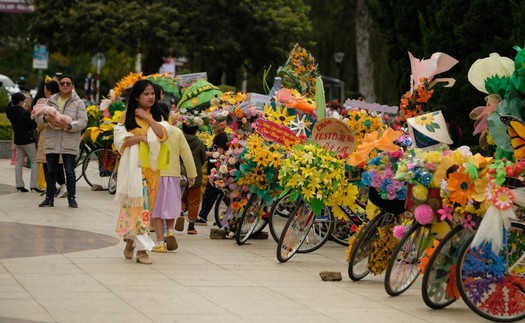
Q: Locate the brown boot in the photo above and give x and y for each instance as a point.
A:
(128, 250)
(143, 258)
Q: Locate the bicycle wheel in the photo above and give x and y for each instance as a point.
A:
(493, 285)
(403, 267)
(319, 233)
(343, 228)
(295, 231)
(112, 184)
(279, 213)
(220, 210)
(360, 253)
(438, 288)
(249, 219)
(98, 166)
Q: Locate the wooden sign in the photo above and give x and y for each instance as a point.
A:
(275, 132)
(334, 135)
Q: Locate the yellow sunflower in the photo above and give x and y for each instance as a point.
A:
(446, 166)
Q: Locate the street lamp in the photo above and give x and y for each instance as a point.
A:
(338, 57)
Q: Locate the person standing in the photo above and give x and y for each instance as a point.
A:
(168, 202)
(63, 139)
(49, 88)
(24, 138)
(191, 198)
(219, 145)
(137, 183)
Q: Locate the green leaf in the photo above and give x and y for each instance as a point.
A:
(317, 206)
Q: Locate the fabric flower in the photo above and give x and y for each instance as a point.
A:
(420, 192)
(424, 214)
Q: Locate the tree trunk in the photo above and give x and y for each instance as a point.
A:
(365, 65)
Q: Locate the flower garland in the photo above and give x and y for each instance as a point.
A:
(413, 102)
(382, 249)
(260, 161)
(318, 176)
(241, 117)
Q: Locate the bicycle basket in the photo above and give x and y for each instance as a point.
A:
(390, 206)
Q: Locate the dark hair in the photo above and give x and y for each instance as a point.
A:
(158, 90)
(17, 98)
(52, 86)
(358, 96)
(39, 93)
(189, 130)
(133, 103)
(63, 76)
(163, 109)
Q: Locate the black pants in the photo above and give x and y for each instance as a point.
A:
(209, 198)
(52, 171)
(61, 178)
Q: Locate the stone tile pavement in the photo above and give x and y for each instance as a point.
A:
(66, 265)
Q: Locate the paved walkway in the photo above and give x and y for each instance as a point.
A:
(66, 265)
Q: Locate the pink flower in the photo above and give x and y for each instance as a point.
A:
(446, 213)
(468, 223)
(234, 126)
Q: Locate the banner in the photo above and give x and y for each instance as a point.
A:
(40, 57)
(275, 132)
(334, 135)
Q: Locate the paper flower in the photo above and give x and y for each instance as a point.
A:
(446, 213)
(461, 187)
(503, 198)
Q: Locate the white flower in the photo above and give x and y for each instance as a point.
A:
(216, 154)
(231, 161)
(223, 169)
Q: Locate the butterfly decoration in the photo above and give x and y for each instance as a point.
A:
(516, 131)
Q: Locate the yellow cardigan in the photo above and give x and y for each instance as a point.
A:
(179, 148)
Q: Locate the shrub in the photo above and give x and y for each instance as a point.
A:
(6, 131)
(4, 99)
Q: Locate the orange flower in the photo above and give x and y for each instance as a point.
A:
(145, 217)
(460, 187)
(423, 94)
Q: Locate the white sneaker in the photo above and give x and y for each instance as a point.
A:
(63, 192)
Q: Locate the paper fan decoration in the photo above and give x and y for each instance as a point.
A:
(495, 68)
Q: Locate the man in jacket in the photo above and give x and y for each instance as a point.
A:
(63, 138)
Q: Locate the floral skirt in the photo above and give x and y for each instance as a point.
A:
(135, 218)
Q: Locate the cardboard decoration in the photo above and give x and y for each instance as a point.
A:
(428, 130)
(334, 135)
(275, 132)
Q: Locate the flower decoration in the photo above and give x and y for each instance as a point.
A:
(223, 175)
(380, 175)
(301, 125)
(260, 161)
(241, 117)
(317, 175)
(362, 122)
(382, 249)
(413, 102)
(278, 114)
(300, 71)
(424, 214)
(399, 231)
(94, 115)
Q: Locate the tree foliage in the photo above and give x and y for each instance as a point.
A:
(466, 30)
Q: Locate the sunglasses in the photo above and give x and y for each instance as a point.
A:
(65, 83)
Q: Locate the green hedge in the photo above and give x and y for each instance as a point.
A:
(5, 131)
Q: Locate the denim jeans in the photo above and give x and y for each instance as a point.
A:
(51, 175)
